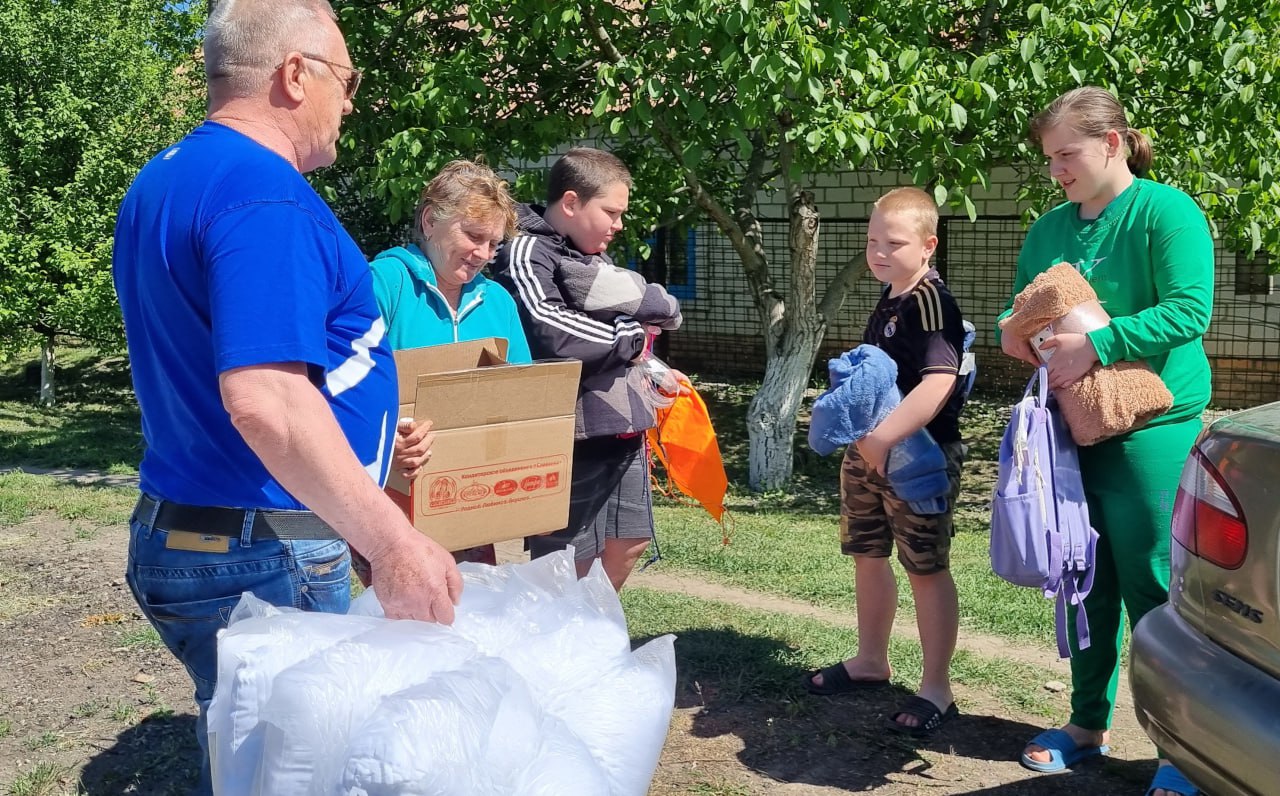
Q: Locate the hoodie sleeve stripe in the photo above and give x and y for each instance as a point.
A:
(534, 298)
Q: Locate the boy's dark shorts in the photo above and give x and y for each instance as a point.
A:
(609, 498)
(873, 519)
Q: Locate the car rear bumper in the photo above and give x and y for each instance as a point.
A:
(1215, 716)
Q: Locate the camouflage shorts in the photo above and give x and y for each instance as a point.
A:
(873, 519)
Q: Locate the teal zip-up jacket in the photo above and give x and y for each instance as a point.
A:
(417, 314)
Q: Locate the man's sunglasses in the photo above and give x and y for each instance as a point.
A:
(350, 83)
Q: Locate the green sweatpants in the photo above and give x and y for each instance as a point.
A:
(1130, 483)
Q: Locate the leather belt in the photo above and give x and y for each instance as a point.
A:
(218, 521)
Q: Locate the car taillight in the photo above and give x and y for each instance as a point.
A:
(1207, 520)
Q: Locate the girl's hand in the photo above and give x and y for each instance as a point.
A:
(1016, 347)
(1073, 357)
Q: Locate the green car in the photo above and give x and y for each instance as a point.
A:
(1205, 667)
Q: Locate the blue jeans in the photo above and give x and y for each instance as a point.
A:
(188, 596)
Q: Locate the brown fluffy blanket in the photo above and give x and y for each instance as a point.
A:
(1109, 400)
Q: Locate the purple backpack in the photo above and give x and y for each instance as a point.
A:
(1040, 531)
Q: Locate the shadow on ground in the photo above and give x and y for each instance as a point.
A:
(744, 686)
(155, 757)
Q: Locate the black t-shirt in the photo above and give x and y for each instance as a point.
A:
(922, 331)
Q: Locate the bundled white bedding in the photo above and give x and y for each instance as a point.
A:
(533, 691)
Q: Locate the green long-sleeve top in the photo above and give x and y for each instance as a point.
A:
(1149, 257)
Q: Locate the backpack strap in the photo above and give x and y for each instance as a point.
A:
(968, 372)
(1071, 593)
(1075, 567)
(1039, 386)
(1056, 560)
(1081, 583)
(1060, 623)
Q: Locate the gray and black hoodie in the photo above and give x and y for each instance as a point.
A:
(566, 315)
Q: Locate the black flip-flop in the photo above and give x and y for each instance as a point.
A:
(930, 717)
(836, 680)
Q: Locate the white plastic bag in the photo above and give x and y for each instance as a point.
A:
(653, 380)
(534, 691)
(473, 731)
(317, 703)
(267, 640)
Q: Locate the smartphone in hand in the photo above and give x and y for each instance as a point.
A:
(1038, 340)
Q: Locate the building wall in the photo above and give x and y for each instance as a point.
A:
(978, 259)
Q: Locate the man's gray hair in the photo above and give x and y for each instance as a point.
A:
(245, 37)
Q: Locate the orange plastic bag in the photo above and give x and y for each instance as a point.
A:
(684, 443)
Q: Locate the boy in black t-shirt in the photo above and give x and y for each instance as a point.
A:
(918, 324)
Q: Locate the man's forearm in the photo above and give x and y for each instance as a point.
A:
(287, 423)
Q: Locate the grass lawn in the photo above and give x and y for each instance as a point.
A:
(752, 654)
(95, 423)
(787, 544)
(783, 543)
(23, 496)
(750, 724)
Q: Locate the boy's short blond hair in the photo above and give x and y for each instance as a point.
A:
(916, 205)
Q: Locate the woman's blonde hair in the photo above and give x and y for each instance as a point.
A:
(1091, 112)
(468, 190)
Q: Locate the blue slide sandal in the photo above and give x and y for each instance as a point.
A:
(1063, 752)
(1170, 779)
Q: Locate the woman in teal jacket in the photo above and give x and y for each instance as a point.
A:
(432, 292)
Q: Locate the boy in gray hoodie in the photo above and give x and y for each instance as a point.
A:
(574, 303)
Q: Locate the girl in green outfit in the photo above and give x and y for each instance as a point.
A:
(1146, 250)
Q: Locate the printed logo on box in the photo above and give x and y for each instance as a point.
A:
(443, 491)
(484, 486)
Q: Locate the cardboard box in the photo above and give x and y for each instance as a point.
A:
(501, 463)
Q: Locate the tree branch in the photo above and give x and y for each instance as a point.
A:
(678, 219)
(1116, 26)
(753, 173)
(984, 26)
(600, 34)
(387, 46)
(745, 240)
(839, 289)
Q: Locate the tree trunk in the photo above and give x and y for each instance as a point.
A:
(791, 344)
(771, 418)
(46, 371)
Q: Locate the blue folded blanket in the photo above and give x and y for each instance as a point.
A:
(863, 392)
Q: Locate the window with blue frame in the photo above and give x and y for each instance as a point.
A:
(672, 261)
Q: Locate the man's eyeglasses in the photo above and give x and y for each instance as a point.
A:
(350, 83)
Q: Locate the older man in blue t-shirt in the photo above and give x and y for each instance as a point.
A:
(266, 386)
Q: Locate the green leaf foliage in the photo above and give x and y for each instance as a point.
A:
(711, 102)
(719, 87)
(89, 91)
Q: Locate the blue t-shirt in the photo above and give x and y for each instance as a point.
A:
(225, 257)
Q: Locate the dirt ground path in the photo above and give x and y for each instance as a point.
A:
(982, 763)
(87, 696)
(710, 738)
